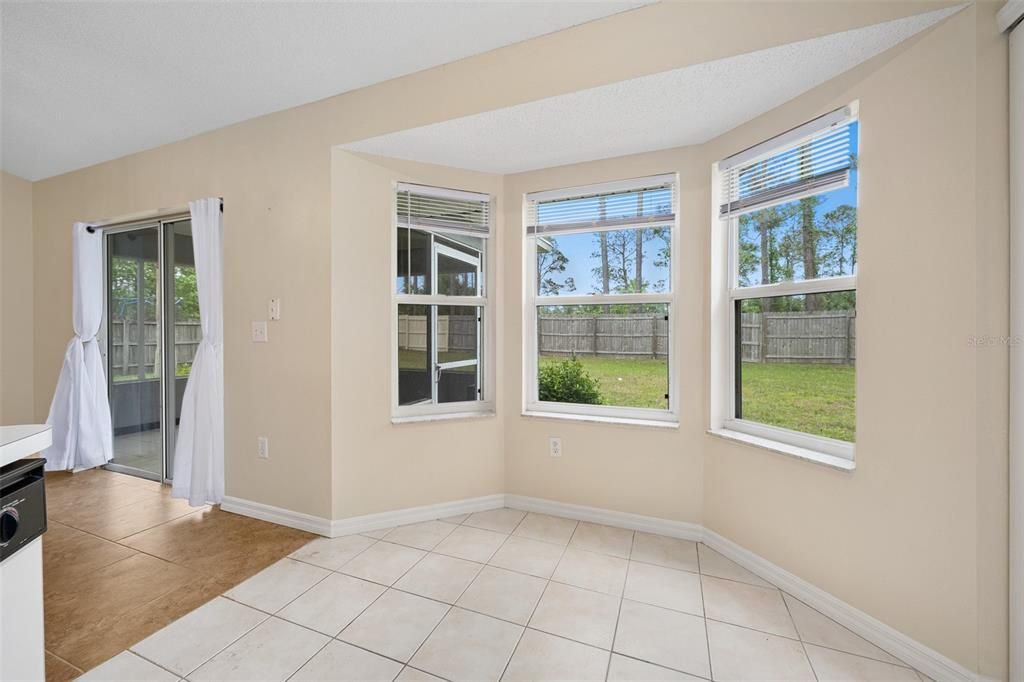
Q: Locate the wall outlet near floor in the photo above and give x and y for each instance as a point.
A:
(259, 331)
(263, 447)
(274, 309)
(555, 447)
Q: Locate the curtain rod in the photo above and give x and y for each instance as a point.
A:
(91, 229)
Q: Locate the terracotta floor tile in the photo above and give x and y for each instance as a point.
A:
(59, 671)
(220, 544)
(78, 619)
(69, 553)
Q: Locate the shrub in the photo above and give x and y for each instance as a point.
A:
(567, 381)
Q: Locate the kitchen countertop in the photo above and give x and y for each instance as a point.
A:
(18, 442)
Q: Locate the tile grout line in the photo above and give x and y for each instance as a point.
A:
(704, 608)
(547, 584)
(618, 613)
(803, 646)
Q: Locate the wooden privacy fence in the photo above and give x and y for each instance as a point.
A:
(124, 358)
(455, 332)
(612, 335)
(822, 337)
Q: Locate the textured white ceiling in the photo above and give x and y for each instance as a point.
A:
(675, 108)
(84, 82)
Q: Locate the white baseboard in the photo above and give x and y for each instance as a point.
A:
(930, 662)
(647, 524)
(913, 653)
(428, 512)
(278, 515)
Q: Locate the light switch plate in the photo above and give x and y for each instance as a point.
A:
(274, 309)
(259, 332)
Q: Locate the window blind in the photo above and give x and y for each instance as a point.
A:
(633, 203)
(816, 157)
(450, 210)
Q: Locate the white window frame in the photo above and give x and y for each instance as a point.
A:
(532, 406)
(429, 411)
(725, 292)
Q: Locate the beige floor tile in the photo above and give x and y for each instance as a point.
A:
(594, 537)
(128, 667)
(273, 651)
(665, 551)
(332, 553)
(498, 520)
(413, 675)
(754, 607)
(598, 572)
(714, 564)
(817, 628)
(332, 604)
(623, 669)
(542, 657)
(528, 556)
(578, 614)
(468, 646)
(503, 594)
(666, 587)
(383, 563)
(395, 625)
(423, 535)
(193, 639)
(341, 662)
(663, 637)
(456, 519)
(547, 528)
(835, 666)
(743, 655)
(472, 544)
(439, 577)
(273, 587)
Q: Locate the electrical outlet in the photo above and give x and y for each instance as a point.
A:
(274, 309)
(555, 447)
(263, 447)
(259, 332)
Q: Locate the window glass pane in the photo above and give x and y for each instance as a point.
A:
(803, 239)
(603, 354)
(634, 260)
(415, 373)
(413, 262)
(459, 265)
(795, 362)
(458, 355)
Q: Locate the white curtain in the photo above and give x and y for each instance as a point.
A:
(80, 411)
(199, 449)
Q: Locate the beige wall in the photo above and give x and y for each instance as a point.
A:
(16, 304)
(379, 466)
(916, 536)
(930, 487)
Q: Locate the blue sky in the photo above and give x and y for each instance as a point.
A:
(579, 247)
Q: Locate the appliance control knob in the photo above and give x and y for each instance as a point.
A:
(8, 524)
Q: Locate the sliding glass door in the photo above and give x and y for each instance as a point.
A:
(151, 334)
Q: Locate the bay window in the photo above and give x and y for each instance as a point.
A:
(599, 300)
(785, 302)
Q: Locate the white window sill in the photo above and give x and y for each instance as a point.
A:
(622, 421)
(442, 417)
(831, 461)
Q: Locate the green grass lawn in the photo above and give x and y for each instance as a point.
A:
(626, 382)
(812, 398)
